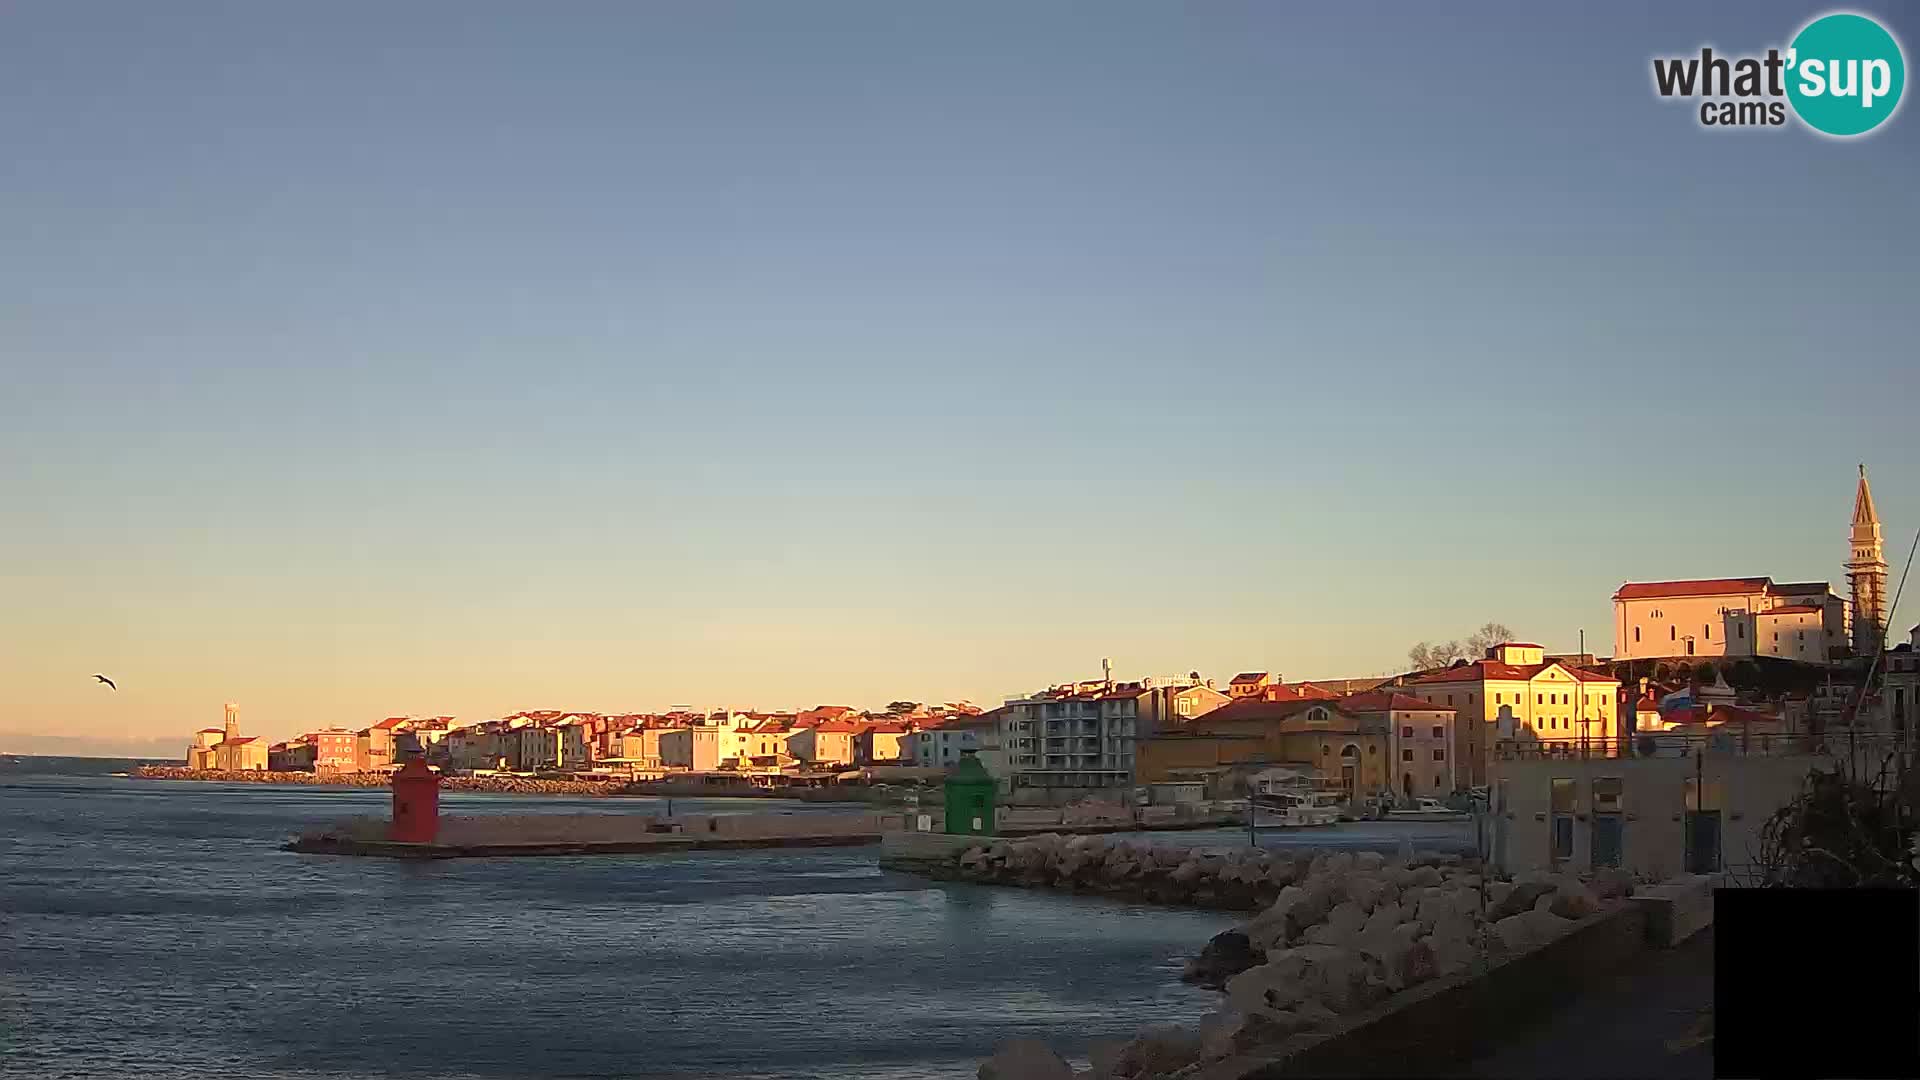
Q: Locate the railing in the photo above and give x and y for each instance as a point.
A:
(1730, 741)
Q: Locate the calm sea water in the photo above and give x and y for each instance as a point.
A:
(152, 929)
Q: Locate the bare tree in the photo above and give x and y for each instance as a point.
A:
(1435, 655)
(1489, 635)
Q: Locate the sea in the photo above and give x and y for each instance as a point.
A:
(154, 929)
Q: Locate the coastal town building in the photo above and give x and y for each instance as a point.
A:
(1422, 741)
(824, 742)
(885, 743)
(1900, 687)
(1757, 616)
(940, 741)
(1516, 693)
(693, 748)
(1251, 684)
(1729, 617)
(225, 748)
(1350, 750)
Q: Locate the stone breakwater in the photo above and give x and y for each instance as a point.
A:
(1230, 879)
(508, 785)
(1343, 933)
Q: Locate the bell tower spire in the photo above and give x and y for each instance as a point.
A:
(1867, 573)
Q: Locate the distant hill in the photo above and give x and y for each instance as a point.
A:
(48, 765)
(24, 743)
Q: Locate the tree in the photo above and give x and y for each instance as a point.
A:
(898, 708)
(1489, 635)
(1744, 675)
(1704, 673)
(1430, 655)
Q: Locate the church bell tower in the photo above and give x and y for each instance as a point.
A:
(1867, 573)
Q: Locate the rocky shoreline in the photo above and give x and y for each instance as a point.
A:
(1334, 934)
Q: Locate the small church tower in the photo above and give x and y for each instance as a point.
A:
(1867, 573)
(231, 727)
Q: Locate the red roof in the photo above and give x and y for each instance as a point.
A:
(1653, 590)
(1249, 677)
(1493, 669)
(1385, 701)
(1793, 609)
(210, 731)
(1248, 708)
(843, 727)
(388, 724)
(1646, 704)
(237, 742)
(887, 729)
(1301, 691)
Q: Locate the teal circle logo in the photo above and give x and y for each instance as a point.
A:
(1845, 74)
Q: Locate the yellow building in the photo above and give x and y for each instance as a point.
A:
(1345, 748)
(1533, 697)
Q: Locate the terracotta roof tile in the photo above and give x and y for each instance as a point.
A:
(1653, 590)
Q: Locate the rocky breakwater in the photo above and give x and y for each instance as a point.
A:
(503, 785)
(1233, 879)
(1347, 933)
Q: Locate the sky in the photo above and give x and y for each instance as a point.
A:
(361, 359)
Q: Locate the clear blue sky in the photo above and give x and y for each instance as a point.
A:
(462, 357)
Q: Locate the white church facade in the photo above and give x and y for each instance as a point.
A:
(1757, 616)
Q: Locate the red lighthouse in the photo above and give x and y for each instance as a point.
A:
(416, 804)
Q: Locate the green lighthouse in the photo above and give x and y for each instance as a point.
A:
(970, 791)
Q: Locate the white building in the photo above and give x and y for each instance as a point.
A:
(939, 743)
(1728, 617)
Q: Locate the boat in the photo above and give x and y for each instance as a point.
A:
(1295, 810)
(1425, 809)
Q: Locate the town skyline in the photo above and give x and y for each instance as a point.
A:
(156, 742)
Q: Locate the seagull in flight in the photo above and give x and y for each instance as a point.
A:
(106, 680)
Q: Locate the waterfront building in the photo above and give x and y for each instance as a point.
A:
(1536, 699)
(373, 749)
(1900, 687)
(1697, 805)
(225, 748)
(825, 742)
(693, 748)
(940, 741)
(248, 753)
(200, 751)
(1348, 749)
(883, 743)
(1421, 746)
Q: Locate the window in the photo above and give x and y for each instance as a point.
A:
(1636, 635)
(1406, 754)
(1740, 630)
(1469, 699)
(1440, 731)
(1706, 632)
(1673, 633)
(1449, 699)
(1539, 699)
(1439, 782)
(1406, 732)
(1439, 753)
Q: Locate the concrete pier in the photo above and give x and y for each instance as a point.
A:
(497, 835)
